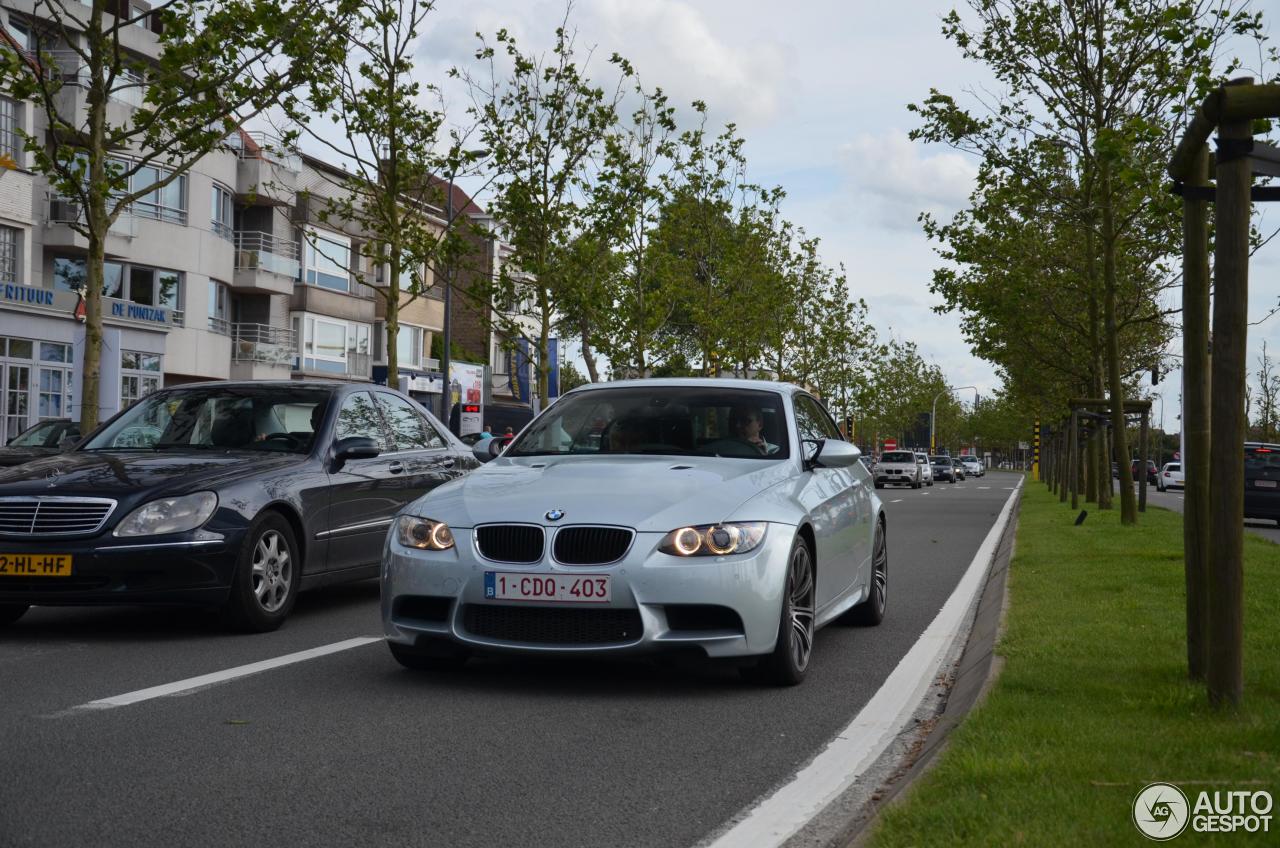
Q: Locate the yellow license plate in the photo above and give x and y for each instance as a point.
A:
(35, 565)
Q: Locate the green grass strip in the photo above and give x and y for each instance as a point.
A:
(1093, 702)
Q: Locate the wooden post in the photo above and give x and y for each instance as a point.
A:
(1144, 436)
(1195, 414)
(1073, 463)
(1226, 439)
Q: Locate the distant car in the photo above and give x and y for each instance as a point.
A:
(926, 468)
(1153, 473)
(958, 467)
(1262, 481)
(943, 469)
(972, 466)
(44, 439)
(1171, 477)
(898, 467)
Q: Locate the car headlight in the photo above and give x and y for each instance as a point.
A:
(169, 515)
(423, 533)
(713, 539)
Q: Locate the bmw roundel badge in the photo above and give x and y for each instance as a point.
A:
(555, 515)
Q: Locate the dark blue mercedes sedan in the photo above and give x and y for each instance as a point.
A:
(228, 495)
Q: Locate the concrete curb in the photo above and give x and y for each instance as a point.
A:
(974, 672)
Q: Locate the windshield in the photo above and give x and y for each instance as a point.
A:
(218, 418)
(941, 460)
(46, 434)
(898, 456)
(668, 420)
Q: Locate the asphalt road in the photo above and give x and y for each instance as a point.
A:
(350, 749)
(1173, 499)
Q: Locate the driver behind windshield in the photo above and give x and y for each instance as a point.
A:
(747, 425)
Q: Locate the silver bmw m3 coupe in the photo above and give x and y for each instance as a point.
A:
(725, 516)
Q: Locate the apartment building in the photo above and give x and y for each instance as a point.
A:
(227, 273)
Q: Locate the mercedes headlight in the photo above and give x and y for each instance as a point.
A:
(423, 533)
(169, 515)
(736, 537)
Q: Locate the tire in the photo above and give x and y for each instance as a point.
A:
(917, 484)
(787, 665)
(870, 612)
(268, 571)
(879, 485)
(416, 659)
(930, 482)
(9, 613)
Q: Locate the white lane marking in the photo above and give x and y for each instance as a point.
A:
(1010, 488)
(898, 500)
(222, 676)
(775, 819)
(983, 487)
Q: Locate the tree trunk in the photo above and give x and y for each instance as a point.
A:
(588, 358)
(1226, 451)
(1195, 416)
(98, 223)
(1128, 504)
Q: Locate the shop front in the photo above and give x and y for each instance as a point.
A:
(42, 356)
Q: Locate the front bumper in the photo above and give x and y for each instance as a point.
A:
(441, 595)
(190, 568)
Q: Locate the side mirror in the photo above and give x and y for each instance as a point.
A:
(354, 447)
(488, 448)
(836, 454)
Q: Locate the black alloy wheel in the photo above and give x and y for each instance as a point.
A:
(870, 612)
(787, 665)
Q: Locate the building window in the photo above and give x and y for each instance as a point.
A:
(139, 375)
(168, 203)
(328, 261)
(54, 397)
(218, 308)
(20, 31)
(10, 238)
(333, 345)
(222, 211)
(10, 141)
(134, 283)
(409, 351)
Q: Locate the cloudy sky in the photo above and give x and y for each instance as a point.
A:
(819, 89)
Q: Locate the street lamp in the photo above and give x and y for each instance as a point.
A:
(933, 415)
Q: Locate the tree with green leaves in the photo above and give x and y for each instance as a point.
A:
(543, 123)
(1101, 86)
(391, 188)
(148, 117)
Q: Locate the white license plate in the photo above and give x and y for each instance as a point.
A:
(1265, 484)
(565, 588)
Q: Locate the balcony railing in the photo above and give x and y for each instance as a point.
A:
(221, 326)
(264, 146)
(66, 210)
(129, 87)
(262, 343)
(259, 251)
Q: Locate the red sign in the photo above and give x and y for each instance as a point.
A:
(890, 444)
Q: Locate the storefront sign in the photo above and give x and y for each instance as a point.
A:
(65, 302)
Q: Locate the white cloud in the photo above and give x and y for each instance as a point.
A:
(672, 44)
(900, 178)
